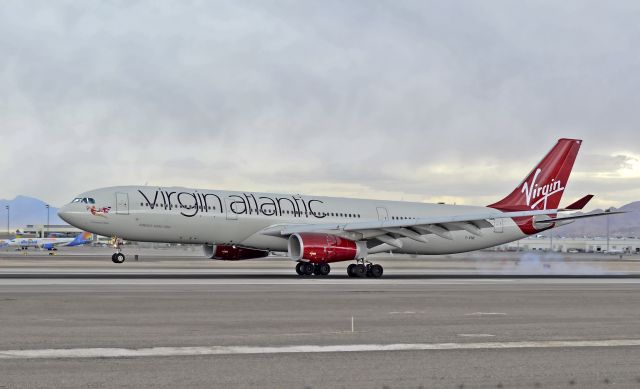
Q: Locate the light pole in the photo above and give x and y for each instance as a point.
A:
(7, 207)
(47, 219)
(607, 217)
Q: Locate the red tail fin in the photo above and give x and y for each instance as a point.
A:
(543, 187)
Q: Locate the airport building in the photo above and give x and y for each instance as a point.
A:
(617, 245)
(44, 230)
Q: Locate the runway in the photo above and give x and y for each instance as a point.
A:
(157, 325)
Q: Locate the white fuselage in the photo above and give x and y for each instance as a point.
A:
(200, 216)
(38, 242)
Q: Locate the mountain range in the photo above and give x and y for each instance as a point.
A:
(25, 210)
(28, 210)
(624, 225)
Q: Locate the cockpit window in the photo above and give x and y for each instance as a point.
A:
(84, 200)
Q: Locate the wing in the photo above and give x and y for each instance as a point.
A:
(389, 231)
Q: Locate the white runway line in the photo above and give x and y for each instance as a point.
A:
(486, 314)
(236, 350)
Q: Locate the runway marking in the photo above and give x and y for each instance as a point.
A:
(239, 350)
(486, 314)
(476, 335)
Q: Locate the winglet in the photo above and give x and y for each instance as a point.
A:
(578, 205)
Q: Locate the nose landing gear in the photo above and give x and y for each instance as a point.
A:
(118, 257)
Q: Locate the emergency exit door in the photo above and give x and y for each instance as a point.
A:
(383, 215)
(498, 225)
(122, 203)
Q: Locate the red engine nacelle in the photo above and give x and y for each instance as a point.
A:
(232, 253)
(323, 248)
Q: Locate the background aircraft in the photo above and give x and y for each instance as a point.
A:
(316, 231)
(50, 243)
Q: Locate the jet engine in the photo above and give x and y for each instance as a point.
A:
(324, 248)
(232, 253)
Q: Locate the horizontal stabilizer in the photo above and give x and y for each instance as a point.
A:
(560, 219)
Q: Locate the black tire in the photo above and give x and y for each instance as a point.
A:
(350, 270)
(368, 273)
(307, 268)
(299, 268)
(113, 257)
(118, 258)
(360, 270)
(322, 269)
(376, 271)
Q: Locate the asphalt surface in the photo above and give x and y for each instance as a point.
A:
(471, 332)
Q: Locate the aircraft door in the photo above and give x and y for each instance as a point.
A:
(498, 225)
(122, 203)
(383, 215)
(230, 214)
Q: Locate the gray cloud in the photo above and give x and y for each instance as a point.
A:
(415, 100)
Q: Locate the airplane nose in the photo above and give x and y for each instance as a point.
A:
(64, 213)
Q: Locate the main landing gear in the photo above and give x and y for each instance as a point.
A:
(364, 270)
(308, 268)
(118, 257)
(360, 269)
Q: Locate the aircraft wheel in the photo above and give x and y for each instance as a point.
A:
(307, 268)
(118, 258)
(322, 269)
(350, 272)
(299, 268)
(359, 270)
(376, 271)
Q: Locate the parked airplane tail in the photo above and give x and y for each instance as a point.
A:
(543, 187)
(81, 238)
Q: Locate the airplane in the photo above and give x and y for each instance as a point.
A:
(316, 231)
(50, 243)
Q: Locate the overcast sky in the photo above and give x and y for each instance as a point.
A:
(427, 101)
